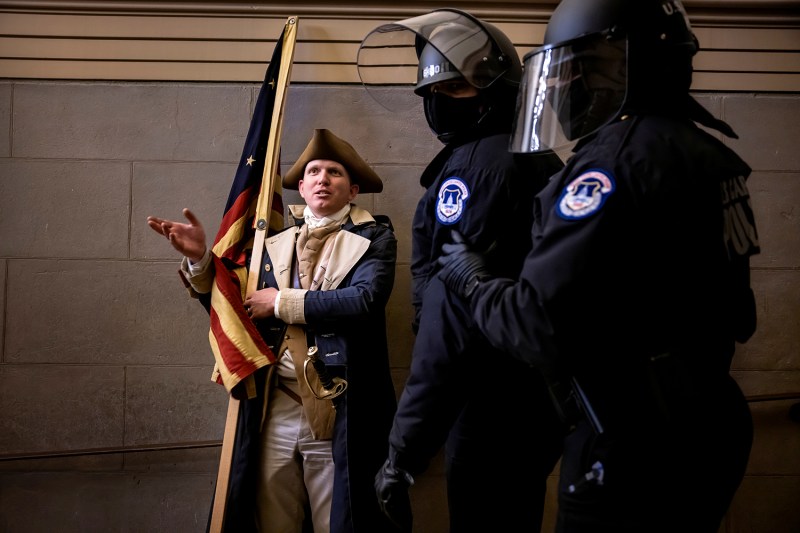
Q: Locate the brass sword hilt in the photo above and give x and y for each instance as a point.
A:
(331, 387)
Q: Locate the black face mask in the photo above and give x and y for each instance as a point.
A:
(586, 110)
(448, 116)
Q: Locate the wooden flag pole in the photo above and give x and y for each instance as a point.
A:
(264, 205)
(224, 473)
(262, 215)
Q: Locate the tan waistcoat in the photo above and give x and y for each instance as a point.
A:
(324, 257)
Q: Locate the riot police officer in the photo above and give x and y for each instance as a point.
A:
(637, 287)
(460, 389)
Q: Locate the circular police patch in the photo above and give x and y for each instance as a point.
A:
(450, 205)
(585, 194)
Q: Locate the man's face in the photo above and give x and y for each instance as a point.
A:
(326, 187)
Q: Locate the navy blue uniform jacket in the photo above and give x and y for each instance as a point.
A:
(349, 328)
(638, 286)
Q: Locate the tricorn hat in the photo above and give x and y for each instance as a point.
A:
(326, 145)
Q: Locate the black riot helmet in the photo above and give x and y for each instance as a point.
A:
(460, 45)
(601, 58)
(433, 68)
(447, 44)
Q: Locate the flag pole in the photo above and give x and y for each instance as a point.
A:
(264, 205)
(262, 214)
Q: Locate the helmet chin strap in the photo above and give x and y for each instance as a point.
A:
(688, 107)
(701, 115)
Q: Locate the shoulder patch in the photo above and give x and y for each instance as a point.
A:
(450, 205)
(585, 194)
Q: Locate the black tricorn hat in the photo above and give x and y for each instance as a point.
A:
(326, 145)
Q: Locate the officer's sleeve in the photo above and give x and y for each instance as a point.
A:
(421, 257)
(566, 278)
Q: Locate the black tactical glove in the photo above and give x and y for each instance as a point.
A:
(462, 268)
(391, 487)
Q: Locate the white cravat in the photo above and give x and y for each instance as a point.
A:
(313, 222)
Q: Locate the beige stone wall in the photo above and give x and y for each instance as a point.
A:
(105, 398)
(100, 347)
(746, 45)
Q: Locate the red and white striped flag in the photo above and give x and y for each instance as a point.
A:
(238, 348)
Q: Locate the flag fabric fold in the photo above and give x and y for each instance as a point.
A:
(237, 345)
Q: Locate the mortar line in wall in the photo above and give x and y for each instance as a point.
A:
(124, 408)
(11, 122)
(757, 398)
(111, 450)
(130, 207)
(5, 312)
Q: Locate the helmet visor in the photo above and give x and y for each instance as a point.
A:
(569, 91)
(389, 55)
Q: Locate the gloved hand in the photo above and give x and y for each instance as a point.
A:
(462, 268)
(391, 487)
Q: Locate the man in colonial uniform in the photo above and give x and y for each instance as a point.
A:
(306, 452)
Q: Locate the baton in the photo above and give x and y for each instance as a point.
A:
(586, 407)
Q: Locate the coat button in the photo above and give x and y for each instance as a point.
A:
(267, 267)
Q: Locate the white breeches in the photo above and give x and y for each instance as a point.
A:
(296, 470)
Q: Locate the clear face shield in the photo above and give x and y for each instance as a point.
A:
(389, 55)
(569, 91)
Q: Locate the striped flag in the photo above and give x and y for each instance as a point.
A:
(238, 348)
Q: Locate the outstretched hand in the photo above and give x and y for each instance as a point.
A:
(188, 239)
(462, 268)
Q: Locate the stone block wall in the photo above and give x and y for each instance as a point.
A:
(101, 348)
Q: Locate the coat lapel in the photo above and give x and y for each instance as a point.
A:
(280, 249)
(348, 248)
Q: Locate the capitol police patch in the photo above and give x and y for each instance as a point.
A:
(585, 194)
(450, 205)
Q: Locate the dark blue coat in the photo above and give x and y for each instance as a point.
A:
(349, 327)
(638, 287)
(462, 391)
